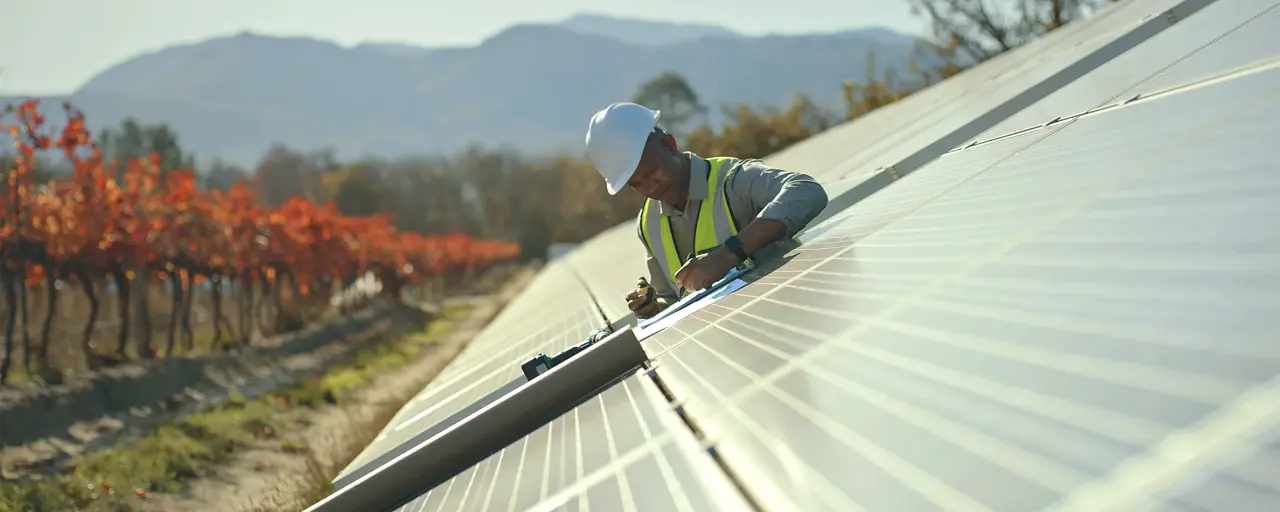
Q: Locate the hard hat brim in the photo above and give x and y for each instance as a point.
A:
(620, 181)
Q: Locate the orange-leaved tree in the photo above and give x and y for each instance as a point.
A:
(153, 227)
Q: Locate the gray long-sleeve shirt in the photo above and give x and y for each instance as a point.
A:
(754, 191)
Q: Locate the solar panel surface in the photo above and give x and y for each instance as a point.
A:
(1078, 316)
(1020, 336)
(910, 133)
(553, 314)
(1223, 37)
(620, 450)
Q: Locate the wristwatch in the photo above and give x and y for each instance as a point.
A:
(735, 245)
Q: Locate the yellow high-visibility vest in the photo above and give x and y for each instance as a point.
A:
(715, 223)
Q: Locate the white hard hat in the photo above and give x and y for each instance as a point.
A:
(616, 139)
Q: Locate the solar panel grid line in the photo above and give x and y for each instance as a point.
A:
(628, 501)
(411, 426)
(972, 439)
(1250, 474)
(1086, 417)
(557, 380)
(1096, 327)
(878, 211)
(821, 282)
(1060, 478)
(511, 352)
(551, 338)
(1147, 336)
(623, 393)
(488, 363)
(500, 335)
(500, 354)
(540, 435)
(498, 371)
(984, 346)
(819, 488)
(1227, 432)
(682, 502)
(656, 443)
(524, 450)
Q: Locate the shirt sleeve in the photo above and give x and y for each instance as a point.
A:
(792, 198)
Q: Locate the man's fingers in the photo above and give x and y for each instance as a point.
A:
(694, 281)
(684, 270)
(647, 311)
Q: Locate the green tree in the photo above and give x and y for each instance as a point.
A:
(670, 93)
(222, 175)
(135, 140)
(759, 132)
(283, 173)
(360, 191)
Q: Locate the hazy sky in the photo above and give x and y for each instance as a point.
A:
(52, 47)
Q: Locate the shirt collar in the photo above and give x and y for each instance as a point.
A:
(698, 169)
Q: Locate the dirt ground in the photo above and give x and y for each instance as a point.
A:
(266, 477)
(85, 436)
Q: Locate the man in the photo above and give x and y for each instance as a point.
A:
(722, 209)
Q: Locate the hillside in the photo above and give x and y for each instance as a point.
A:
(531, 86)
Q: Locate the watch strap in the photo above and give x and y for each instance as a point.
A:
(735, 245)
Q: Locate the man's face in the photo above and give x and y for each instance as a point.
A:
(659, 174)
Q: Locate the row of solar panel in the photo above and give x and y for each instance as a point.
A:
(1032, 313)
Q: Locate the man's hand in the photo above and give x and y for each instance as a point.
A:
(636, 302)
(703, 272)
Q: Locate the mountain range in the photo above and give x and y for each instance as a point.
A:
(531, 87)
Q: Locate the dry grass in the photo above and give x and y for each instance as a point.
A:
(119, 478)
(321, 465)
(323, 460)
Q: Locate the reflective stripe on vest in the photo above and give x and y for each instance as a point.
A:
(715, 223)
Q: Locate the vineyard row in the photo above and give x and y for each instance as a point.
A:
(136, 221)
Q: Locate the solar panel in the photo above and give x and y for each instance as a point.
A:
(621, 450)
(1013, 341)
(555, 313)
(1081, 315)
(861, 157)
(1225, 36)
(609, 265)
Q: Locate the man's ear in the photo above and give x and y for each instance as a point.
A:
(669, 141)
